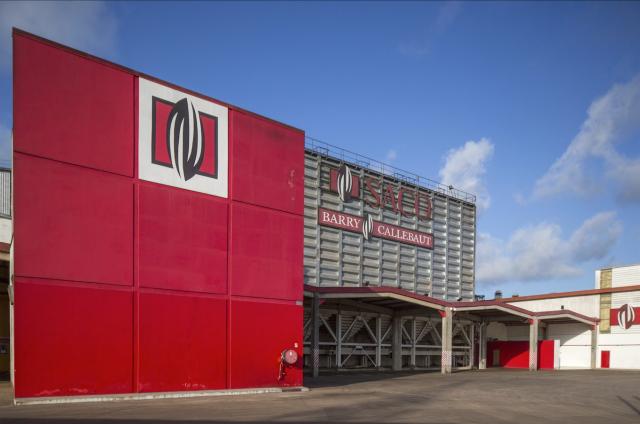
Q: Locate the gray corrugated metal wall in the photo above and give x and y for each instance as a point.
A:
(334, 257)
(5, 192)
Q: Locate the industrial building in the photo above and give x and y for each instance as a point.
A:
(166, 242)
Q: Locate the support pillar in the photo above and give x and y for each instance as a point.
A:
(447, 341)
(533, 344)
(482, 346)
(472, 348)
(413, 342)
(378, 342)
(315, 335)
(339, 339)
(594, 346)
(396, 348)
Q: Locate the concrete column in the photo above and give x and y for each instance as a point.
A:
(482, 346)
(447, 342)
(594, 346)
(413, 342)
(378, 342)
(396, 348)
(533, 344)
(339, 339)
(472, 350)
(315, 335)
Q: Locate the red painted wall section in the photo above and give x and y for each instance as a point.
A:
(267, 163)
(512, 354)
(71, 223)
(515, 354)
(266, 247)
(605, 359)
(267, 327)
(142, 286)
(72, 109)
(71, 339)
(183, 240)
(182, 339)
(546, 354)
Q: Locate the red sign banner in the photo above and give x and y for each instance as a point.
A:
(356, 224)
(625, 316)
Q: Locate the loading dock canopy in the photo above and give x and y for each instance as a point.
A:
(391, 299)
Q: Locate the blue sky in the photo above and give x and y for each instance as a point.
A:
(533, 106)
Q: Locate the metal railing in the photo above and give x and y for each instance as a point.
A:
(5, 192)
(344, 155)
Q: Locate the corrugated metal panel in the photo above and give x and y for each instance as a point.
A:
(338, 258)
(5, 192)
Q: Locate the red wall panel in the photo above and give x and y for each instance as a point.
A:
(259, 332)
(182, 340)
(266, 253)
(512, 354)
(183, 240)
(72, 223)
(72, 340)
(132, 277)
(72, 109)
(515, 354)
(267, 163)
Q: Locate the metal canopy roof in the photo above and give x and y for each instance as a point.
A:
(391, 299)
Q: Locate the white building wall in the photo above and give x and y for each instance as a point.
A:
(585, 305)
(497, 331)
(5, 230)
(624, 345)
(625, 276)
(574, 344)
(575, 339)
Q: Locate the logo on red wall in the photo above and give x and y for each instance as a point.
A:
(183, 140)
(625, 316)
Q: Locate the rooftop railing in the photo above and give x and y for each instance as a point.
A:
(344, 155)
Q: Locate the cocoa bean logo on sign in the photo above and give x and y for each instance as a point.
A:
(345, 183)
(378, 193)
(626, 316)
(185, 139)
(367, 227)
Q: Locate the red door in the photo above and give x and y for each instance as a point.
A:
(605, 356)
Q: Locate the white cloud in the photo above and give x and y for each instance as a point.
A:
(87, 26)
(391, 155)
(539, 252)
(610, 120)
(464, 169)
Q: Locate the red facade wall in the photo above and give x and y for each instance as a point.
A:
(124, 285)
(515, 354)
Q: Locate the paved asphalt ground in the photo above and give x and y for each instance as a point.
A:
(598, 396)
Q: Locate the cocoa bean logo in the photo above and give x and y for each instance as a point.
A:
(345, 183)
(626, 316)
(367, 227)
(185, 139)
